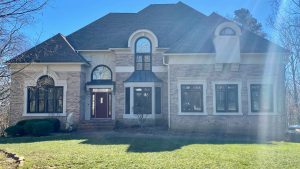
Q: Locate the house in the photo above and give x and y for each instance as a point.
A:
(190, 72)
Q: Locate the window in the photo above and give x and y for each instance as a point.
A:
(142, 100)
(101, 72)
(261, 98)
(127, 100)
(192, 98)
(45, 97)
(227, 32)
(227, 98)
(143, 54)
(157, 100)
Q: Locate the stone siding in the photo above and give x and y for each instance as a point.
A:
(73, 101)
(238, 124)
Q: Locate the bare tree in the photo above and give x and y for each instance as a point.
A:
(14, 16)
(285, 20)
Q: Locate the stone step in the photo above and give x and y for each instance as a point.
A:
(96, 124)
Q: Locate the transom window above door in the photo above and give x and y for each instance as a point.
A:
(101, 72)
(143, 54)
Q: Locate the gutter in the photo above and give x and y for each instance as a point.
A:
(166, 63)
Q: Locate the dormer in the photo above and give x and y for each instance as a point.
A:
(227, 43)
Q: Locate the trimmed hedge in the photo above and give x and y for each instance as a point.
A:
(15, 131)
(55, 122)
(35, 127)
(42, 128)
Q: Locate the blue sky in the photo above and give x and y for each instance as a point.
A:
(67, 16)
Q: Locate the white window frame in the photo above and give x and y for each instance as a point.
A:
(261, 82)
(239, 83)
(132, 85)
(191, 82)
(57, 82)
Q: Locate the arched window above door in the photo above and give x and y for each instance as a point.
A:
(101, 72)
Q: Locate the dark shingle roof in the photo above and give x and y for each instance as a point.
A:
(55, 49)
(169, 22)
(178, 27)
(143, 76)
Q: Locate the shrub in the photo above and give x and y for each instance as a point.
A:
(38, 127)
(15, 131)
(55, 123)
(28, 127)
(42, 128)
(119, 125)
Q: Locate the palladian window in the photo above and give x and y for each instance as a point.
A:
(45, 97)
(143, 54)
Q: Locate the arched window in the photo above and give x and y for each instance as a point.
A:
(227, 31)
(143, 50)
(45, 97)
(101, 72)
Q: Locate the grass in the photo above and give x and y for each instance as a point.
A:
(98, 150)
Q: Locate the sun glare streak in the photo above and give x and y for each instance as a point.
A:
(271, 71)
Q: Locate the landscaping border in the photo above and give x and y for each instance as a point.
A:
(19, 160)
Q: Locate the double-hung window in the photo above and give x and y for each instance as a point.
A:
(192, 98)
(261, 98)
(227, 98)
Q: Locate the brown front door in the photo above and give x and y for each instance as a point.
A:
(102, 105)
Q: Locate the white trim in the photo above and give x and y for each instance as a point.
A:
(256, 81)
(57, 82)
(99, 87)
(129, 69)
(143, 32)
(231, 25)
(187, 82)
(169, 100)
(239, 83)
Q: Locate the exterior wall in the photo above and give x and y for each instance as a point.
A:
(121, 62)
(72, 76)
(126, 60)
(238, 124)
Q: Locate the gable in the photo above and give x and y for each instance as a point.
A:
(55, 49)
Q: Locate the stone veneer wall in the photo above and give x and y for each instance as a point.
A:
(120, 95)
(128, 60)
(235, 124)
(73, 102)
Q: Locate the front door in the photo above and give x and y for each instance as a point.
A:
(101, 105)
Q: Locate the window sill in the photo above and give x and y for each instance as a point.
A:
(44, 114)
(263, 113)
(191, 114)
(134, 116)
(227, 113)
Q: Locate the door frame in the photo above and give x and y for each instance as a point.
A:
(93, 105)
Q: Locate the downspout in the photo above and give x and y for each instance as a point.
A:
(166, 63)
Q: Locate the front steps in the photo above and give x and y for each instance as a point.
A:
(96, 124)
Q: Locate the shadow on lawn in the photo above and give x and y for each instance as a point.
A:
(136, 143)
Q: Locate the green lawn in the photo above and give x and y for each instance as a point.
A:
(114, 150)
